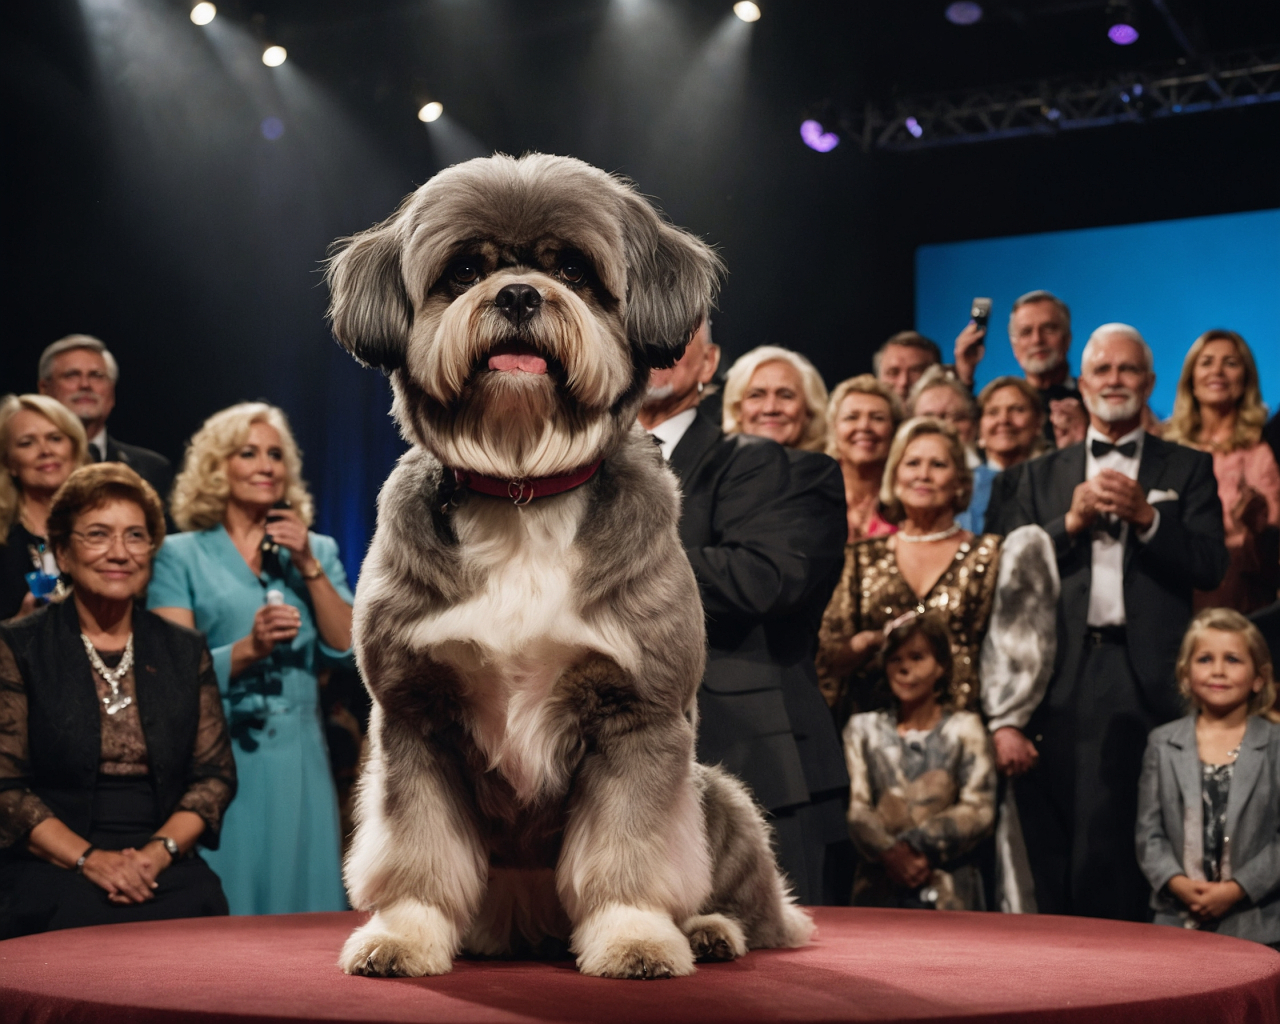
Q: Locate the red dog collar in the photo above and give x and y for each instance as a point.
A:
(521, 492)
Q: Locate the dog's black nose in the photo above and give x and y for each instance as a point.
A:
(518, 301)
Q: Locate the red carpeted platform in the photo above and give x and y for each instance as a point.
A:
(867, 965)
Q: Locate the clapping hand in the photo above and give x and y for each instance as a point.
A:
(1108, 493)
(1122, 496)
(1085, 508)
(1070, 421)
(1250, 510)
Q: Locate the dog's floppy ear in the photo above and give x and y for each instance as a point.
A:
(672, 280)
(368, 304)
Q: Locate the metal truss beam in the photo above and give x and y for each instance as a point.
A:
(1047, 107)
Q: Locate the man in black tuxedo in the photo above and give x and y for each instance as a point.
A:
(81, 374)
(764, 529)
(1137, 526)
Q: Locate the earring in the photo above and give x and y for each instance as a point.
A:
(700, 387)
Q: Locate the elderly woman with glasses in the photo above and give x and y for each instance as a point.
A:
(114, 755)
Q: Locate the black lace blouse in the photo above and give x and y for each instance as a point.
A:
(123, 750)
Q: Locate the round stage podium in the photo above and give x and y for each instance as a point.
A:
(865, 965)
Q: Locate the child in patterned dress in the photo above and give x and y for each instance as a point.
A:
(922, 781)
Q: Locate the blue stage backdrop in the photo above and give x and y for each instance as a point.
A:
(1172, 280)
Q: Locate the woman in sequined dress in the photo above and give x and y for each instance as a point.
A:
(929, 564)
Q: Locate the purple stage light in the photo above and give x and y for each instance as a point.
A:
(964, 12)
(815, 137)
(1122, 34)
(913, 126)
(272, 128)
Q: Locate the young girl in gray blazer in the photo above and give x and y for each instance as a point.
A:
(1208, 833)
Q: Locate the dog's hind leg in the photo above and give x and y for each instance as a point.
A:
(634, 859)
(416, 859)
(747, 887)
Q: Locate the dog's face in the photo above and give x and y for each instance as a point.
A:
(519, 305)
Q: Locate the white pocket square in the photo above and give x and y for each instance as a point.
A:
(1155, 495)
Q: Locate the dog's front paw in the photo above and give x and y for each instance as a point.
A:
(715, 937)
(405, 941)
(627, 942)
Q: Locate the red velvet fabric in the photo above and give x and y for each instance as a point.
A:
(866, 965)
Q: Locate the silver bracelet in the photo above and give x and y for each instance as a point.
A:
(84, 857)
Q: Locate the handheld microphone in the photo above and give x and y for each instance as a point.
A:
(270, 549)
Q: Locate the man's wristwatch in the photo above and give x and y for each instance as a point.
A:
(169, 845)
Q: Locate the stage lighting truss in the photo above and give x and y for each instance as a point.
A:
(1044, 108)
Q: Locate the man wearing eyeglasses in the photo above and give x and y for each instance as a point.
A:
(80, 373)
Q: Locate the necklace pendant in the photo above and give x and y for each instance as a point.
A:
(117, 702)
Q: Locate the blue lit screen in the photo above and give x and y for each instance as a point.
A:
(1172, 280)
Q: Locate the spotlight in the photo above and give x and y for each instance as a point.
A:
(274, 56)
(272, 128)
(964, 12)
(1123, 21)
(817, 138)
(746, 10)
(430, 112)
(203, 13)
(913, 126)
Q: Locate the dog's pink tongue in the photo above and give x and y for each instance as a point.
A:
(526, 362)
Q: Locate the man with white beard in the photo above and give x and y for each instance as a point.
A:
(1137, 526)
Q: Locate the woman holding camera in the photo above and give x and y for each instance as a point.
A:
(272, 598)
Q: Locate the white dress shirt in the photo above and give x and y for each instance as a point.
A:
(669, 432)
(1106, 591)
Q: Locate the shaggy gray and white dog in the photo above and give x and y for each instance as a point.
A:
(534, 660)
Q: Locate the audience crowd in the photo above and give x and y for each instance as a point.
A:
(1008, 650)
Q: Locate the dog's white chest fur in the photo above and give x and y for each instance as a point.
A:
(517, 634)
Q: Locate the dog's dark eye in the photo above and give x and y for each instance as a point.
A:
(466, 270)
(573, 270)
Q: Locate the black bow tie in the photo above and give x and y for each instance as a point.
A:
(1100, 448)
(1109, 525)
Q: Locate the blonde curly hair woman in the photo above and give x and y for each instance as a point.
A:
(273, 600)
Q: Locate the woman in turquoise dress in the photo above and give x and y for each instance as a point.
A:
(272, 600)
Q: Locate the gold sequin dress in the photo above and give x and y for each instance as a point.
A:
(872, 592)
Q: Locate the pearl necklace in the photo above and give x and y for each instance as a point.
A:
(924, 538)
(115, 701)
